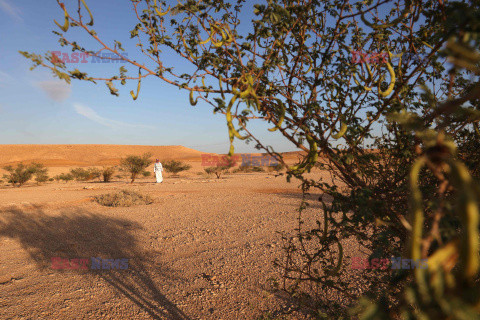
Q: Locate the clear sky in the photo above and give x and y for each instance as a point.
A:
(36, 108)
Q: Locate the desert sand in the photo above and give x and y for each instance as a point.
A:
(203, 250)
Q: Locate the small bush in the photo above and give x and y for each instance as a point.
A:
(146, 173)
(123, 198)
(41, 177)
(175, 166)
(218, 170)
(64, 177)
(81, 174)
(78, 174)
(247, 169)
(279, 167)
(135, 165)
(107, 173)
(40, 172)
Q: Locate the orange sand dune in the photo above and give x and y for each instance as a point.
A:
(71, 155)
(88, 154)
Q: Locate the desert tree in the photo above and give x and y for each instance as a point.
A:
(225, 164)
(367, 84)
(22, 173)
(135, 165)
(217, 170)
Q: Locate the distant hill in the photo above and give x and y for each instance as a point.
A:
(88, 154)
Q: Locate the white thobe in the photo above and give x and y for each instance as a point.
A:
(158, 171)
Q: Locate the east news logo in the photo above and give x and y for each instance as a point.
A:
(359, 263)
(83, 264)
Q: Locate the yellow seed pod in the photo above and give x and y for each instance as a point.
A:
(192, 102)
(417, 218)
(358, 84)
(205, 41)
(89, 12)
(343, 130)
(135, 96)
(159, 13)
(282, 117)
(313, 154)
(188, 49)
(66, 24)
(232, 149)
(337, 268)
(224, 31)
(220, 85)
(369, 70)
(470, 216)
(311, 158)
(443, 255)
(229, 117)
(391, 85)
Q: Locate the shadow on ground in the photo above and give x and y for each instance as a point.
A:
(313, 200)
(78, 233)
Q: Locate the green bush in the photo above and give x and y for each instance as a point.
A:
(64, 177)
(107, 173)
(81, 174)
(40, 172)
(278, 167)
(22, 173)
(123, 198)
(222, 167)
(41, 177)
(248, 169)
(175, 166)
(135, 165)
(217, 170)
(146, 173)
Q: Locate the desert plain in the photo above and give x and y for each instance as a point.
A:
(204, 249)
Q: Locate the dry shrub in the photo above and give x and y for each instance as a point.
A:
(175, 166)
(107, 173)
(81, 174)
(248, 169)
(123, 198)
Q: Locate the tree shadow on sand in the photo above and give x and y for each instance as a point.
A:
(312, 199)
(78, 233)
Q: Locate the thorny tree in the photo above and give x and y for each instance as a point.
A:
(364, 84)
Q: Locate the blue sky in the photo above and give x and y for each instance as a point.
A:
(36, 108)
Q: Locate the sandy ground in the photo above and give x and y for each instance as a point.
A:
(203, 250)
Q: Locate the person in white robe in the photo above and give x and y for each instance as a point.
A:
(157, 169)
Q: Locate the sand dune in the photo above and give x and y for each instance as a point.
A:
(89, 155)
(69, 155)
